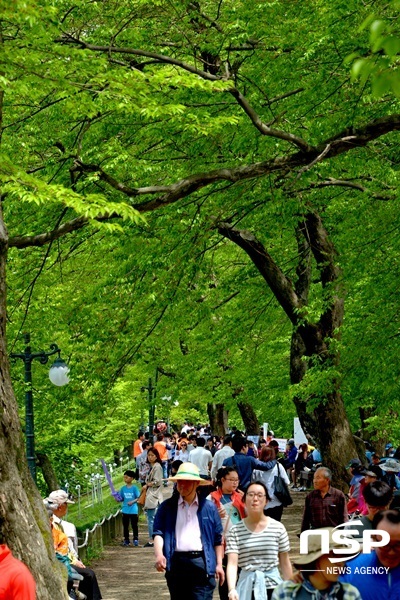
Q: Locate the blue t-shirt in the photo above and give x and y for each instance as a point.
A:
(128, 494)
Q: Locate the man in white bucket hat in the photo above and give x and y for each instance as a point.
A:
(188, 539)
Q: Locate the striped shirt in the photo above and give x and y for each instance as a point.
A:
(258, 551)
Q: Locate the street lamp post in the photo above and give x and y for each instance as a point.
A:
(58, 375)
(151, 390)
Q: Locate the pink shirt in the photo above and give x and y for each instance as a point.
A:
(187, 528)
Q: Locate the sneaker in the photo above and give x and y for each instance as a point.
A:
(136, 543)
(148, 545)
(125, 543)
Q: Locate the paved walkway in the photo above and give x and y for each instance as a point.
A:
(129, 573)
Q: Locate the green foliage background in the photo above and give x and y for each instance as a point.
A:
(138, 289)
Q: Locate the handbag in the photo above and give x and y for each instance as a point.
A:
(142, 498)
(281, 490)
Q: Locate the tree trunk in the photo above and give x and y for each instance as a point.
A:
(218, 418)
(49, 474)
(249, 418)
(24, 524)
(323, 417)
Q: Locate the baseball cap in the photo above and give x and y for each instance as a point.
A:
(60, 497)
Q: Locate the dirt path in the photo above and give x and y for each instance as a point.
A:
(129, 573)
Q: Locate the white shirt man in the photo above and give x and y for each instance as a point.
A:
(202, 458)
(219, 457)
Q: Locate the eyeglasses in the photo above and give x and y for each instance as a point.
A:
(233, 480)
(183, 446)
(254, 495)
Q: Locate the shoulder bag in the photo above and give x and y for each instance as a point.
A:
(142, 498)
(281, 490)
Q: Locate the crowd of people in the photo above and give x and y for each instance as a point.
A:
(221, 526)
(238, 543)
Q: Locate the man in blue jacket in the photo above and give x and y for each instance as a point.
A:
(377, 575)
(244, 464)
(188, 539)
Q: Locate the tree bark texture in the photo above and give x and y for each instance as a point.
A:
(249, 418)
(23, 519)
(218, 418)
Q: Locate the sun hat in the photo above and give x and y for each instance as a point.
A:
(189, 472)
(314, 547)
(60, 497)
(391, 464)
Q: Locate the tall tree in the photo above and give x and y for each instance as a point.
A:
(191, 116)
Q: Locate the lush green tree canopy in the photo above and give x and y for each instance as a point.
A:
(136, 129)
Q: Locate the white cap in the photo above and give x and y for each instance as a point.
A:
(60, 497)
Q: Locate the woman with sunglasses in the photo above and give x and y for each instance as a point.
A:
(183, 453)
(259, 546)
(231, 509)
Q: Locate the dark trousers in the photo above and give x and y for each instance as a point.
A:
(89, 584)
(187, 579)
(275, 512)
(133, 520)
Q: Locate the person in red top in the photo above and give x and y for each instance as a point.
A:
(137, 446)
(16, 581)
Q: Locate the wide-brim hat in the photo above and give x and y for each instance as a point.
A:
(189, 472)
(391, 464)
(315, 547)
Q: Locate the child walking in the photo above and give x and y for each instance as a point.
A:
(130, 511)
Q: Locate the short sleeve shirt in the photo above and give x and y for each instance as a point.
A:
(258, 551)
(128, 494)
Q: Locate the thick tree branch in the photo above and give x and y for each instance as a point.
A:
(24, 241)
(280, 285)
(181, 189)
(325, 255)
